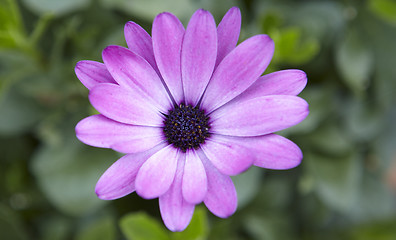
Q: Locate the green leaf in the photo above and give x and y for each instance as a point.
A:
(67, 173)
(149, 9)
(18, 113)
(383, 230)
(10, 225)
(101, 229)
(140, 226)
(331, 140)
(337, 180)
(292, 47)
(197, 229)
(11, 29)
(57, 7)
(354, 61)
(247, 185)
(385, 9)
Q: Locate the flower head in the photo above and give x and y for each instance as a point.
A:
(190, 109)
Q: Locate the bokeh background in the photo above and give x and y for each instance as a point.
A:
(345, 187)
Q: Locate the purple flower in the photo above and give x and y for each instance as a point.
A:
(190, 109)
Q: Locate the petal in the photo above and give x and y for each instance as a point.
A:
(119, 179)
(271, 151)
(238, 70)
(221, 198)
(157, 173)
(132, 71)
(175, 211)
(168, 34)
(230, 158)
(100, 131)
(259, 116)
(198, 56)
(194, 179)
(139, 42)
(91, 73)
(285, 82)
(124, 106)
(228, 33)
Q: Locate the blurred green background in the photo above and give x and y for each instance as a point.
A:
(345, 187)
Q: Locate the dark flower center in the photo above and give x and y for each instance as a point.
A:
(186, 127)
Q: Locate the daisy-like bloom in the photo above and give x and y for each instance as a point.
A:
(190, 109)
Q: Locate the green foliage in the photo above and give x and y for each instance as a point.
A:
(140, 226)
(344, 188)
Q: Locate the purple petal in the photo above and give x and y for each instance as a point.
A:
(124, 106)
(238, 70)
(198, 56)
(285, 82)
(168, 34)
(228, 33)
(119, 179)
(175, 211)
(139, 42)
(132, 71)
(271, 151)
(259, 116)
(221, 198)
(194, 179)
(157, 173)
(91, 73)
(100, 131)
(230, 158)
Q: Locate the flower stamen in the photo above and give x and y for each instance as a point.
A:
(186, 127)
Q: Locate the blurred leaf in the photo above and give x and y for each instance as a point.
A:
(247, 185)
(319, 19)
(55, 228)
(57, 7)
(337, 180)
(18, 113)
(10, 225)
(268, 227)
(384, 230)
(292, 47)
(197, 229)
(101, 229)
(148, 9)
(140, 226)
(330, 140)
(364, 121)
(354, 61)
(67, 173)
(385, 9)
(11, 30)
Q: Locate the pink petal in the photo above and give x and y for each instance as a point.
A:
(198, 56)
(139, 42)
(259, 116)
(119, 179)
(228, 33)
(175, 211)
(132, 71)
(168, 34)
(230, 158)
(91, 73)
(221, 198)
(124, 106)
(194, 179)
(100, 131)
(238, 70)
(157, 173)
(285, 82)
(271, 151)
